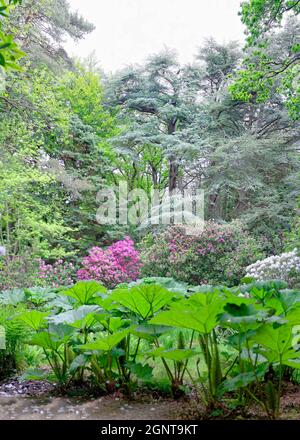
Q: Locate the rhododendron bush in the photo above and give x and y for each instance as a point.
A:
(219, 254)
(60, 273)
(116, 264)
(282, 267)
(20, 272)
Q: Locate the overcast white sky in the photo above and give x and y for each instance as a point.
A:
(127, 31)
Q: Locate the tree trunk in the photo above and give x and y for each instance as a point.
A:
(173, 165)
(173, 173)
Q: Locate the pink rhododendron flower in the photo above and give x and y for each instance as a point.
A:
(57, 274)
(119, 263)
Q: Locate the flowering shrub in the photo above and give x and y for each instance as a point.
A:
(119, 263)
(282, 267)
(26, 271)
(217, 255)
(60, 273)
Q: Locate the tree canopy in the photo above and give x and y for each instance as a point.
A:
(67, 131)
(10, 52)
(271, 62)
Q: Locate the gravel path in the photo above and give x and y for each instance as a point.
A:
(31, 400)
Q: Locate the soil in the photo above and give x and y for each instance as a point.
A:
(40, 400)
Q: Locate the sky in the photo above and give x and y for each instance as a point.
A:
(127, 31)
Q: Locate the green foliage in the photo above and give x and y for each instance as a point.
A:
(42, 28)
(234, 338)
(84, 292)
(30, 218)
(10, 52)
(260, 15)
(144, 301)
(105, 344)
(14, 336)
(34, 319)
(66, 131)
(161, 95)
(174, 354)
(262, 197)
(292, 236)
(46, 203)
(81, 316)
(18, 272)
(200, 313)
(264, 69)
(12, 297)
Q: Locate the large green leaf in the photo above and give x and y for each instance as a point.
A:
(61, 302)
(260, 288)
(143, 300)
(166, 282)
(237, 300)
(105, 302)
(61, 332)
(85, 291)
(293, 316)
(276, 343)
(242, 314)
(200, 313)
(78, 362)
(105, 343)
(240, 381)
(205, 288)
(45, 341)
(39, 295)
(12, 297)
(289, 299)
(34, 319)
(111, 323)
(150, 331)
(143, 372)
(284, 302)
(72, 316)
(293, 363)
(277, 339)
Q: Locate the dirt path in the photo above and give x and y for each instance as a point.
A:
(63, 408)
(37, 400)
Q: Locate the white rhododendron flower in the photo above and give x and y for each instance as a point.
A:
(275, 267)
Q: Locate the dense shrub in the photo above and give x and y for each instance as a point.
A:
(27, 271)
(217, 255)
(119, 263)
(18, 272)
(282, 267)
(292, 235)
(60, 273)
